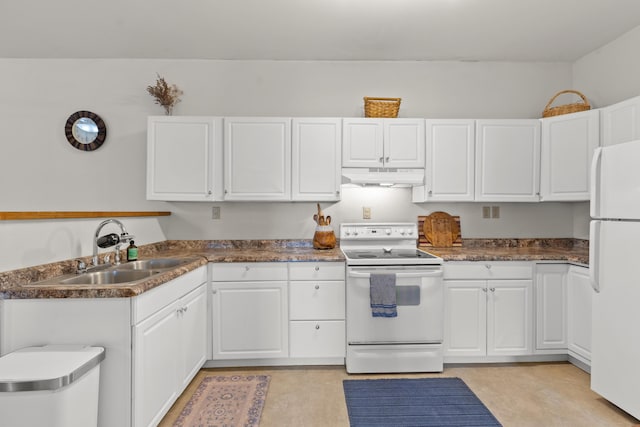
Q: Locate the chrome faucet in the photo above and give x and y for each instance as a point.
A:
(124, 237)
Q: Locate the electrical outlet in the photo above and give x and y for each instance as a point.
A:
(486, 212)
(366, 213)
(495, 211)
(215, 212)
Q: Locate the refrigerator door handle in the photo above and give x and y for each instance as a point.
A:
(595, 183)
(594, 254)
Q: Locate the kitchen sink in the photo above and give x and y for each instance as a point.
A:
(120, 274)
(108, 277)
(153, 264)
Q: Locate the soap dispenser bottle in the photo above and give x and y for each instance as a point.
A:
(132, 252)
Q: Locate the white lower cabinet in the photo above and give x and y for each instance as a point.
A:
(249, 311)
(154, 342)
(580, 297)
(488, 310)
(317, 311)
(169, 347)
(551, 308)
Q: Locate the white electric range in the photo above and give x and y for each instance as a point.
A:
(412, 340)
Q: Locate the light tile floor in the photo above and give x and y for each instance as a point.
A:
(519, 395)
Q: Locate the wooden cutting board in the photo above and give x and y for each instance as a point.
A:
(439, 230)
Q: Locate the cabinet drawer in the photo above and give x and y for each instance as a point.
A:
(248, 271)
(317, 339)
(480, 270)
(316, 300)
(316, 271)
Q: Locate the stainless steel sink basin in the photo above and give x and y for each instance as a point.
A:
(108, 277)
(153, 264)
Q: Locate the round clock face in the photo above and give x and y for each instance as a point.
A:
(85, 130)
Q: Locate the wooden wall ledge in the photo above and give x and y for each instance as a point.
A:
(13, 216)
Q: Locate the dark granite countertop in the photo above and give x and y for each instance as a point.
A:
(17, 284)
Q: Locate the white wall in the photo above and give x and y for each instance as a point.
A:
(29, 243)
(41, 171)
(610, 74)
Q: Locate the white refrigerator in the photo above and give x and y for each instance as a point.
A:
(614, 266)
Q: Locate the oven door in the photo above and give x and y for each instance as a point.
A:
(420, 299)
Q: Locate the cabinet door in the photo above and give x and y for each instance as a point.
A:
(465, 325)
(580, 296)
(193, 333)
(250, 320)
(551, 306)
(567, 147)
(184, 158)
(450, 166)
(362, 142)
(404, 145)
(157, 355)
(316, 165)
(621, 122)
(257, 158)
(509, 317)
(507, 160)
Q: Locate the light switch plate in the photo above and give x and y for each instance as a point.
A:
(215, 212)
(366, 213)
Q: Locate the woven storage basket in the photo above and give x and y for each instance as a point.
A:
(381, 107)
(550, 111)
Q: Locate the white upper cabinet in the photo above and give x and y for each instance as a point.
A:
(507, 160)
(449, 173)
(391, 143)
(316, 160)
(620, 122)
(568, 143)
(184, 158)
(257, 158)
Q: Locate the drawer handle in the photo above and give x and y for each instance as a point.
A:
(317, 326)
(317, 287)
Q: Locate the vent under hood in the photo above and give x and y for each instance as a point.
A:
(383, 176)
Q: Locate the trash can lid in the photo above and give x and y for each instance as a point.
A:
(48, 367)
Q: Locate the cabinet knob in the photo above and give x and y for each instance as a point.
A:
(214, 291)
(484, 290)
(317, 326)
(317, 268)
(488, 266)
(246, 268)
(317, 287)
(386, 159)
(430, 192)
(492, 289)
(381, 160)
(209, 192)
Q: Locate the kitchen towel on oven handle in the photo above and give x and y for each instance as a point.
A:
(382, 294)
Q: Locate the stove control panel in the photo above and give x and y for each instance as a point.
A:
(379, 231)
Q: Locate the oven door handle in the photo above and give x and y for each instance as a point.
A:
(433, 273)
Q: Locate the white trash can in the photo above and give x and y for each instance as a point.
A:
(53, 385)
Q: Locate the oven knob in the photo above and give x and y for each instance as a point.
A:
(388, 231)
(410, 232)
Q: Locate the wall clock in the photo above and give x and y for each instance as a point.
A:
(85, 130)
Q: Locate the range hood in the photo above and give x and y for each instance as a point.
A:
(386, 177)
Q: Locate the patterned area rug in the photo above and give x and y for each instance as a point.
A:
(226, 401)
(422, 402)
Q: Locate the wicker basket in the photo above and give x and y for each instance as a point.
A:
(381, 107)
(568, 108)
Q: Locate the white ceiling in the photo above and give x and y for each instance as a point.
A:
(484, 30)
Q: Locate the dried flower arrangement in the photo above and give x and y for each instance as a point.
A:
(165, 94)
